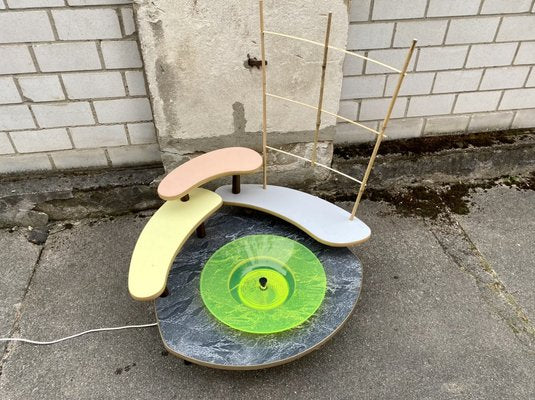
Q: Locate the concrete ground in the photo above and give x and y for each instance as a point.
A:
(446, 311)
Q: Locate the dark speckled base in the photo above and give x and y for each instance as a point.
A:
(191, 332)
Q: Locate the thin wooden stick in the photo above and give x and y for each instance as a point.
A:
(322, 87)
(317, 163)
(324, 111)
(351, 53)
(264, 100)
(383, 128)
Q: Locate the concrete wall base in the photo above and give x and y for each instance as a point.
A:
(411, 163)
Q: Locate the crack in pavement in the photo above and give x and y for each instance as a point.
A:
(15, 328)
(458, 246)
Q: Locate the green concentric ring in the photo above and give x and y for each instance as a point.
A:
(263, 284)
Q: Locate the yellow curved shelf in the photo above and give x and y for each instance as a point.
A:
(163, 237)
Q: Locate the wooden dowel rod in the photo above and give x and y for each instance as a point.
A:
(201, 231)
(235, 184)
(317, 163)
(324, 111)
(383, 128)
(322, 87)
(264, 100)
(351, 53)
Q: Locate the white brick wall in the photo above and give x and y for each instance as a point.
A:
(72, 90)
(473, 69)
(73, 94)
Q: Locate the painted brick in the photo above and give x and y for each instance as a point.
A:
(136, 83)
(440, 58)
(353, 65)
(63, 114)
(8, 91)
(393, 57)
(135, 155)
(521, 27)
(5, 144)
(15, 60)
(428, 33)
(123, 110)
(504, 78)
(24, 163)
(491, 121)
(524, 119)
(477, 102)
(518, 98)
(446, 125)
(41, 88)
(441, 8)
(457, 81)
(127, 15)
(416, 83)
(400, 9)
(142, 133)
(41, 140)
(430, 105)
(25, 26)
(360, 10)
(96, 2)
(472, 30)
(84, 24)
(531, 80)
(34, 3)
(99, 136)
(72, 159)
(363, 86)
(348, 133)
(526, 53)
(404, 128)
(505, 6)
(375, 109)
(370, 36)
(488, 55)
(15, 117)
(121, 54)
(67, 56)
(93, 85)
(348, 109)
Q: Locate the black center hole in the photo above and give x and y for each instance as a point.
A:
(263, 282)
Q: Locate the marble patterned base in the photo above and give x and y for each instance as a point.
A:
(189, 330)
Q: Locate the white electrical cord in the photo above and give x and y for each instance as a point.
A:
(117, 328)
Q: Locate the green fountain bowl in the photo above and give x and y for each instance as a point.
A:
(263, 284)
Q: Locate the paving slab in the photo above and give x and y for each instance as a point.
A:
(17, 260)
(420, 330)
(501, 224)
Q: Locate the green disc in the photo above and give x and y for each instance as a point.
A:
(263, 284)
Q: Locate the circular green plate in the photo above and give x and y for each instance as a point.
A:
(263, 284)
